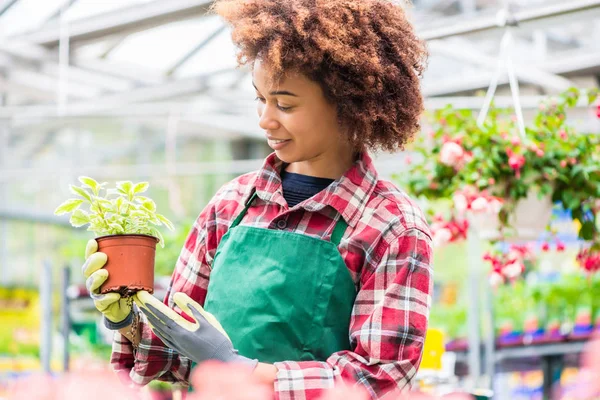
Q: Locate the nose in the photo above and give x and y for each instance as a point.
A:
(267, 118)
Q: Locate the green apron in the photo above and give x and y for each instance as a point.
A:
(281, 295)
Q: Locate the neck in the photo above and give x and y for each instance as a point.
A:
(323, 166)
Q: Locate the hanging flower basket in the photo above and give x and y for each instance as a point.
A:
(527, 221)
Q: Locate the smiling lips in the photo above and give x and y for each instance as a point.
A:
(276, 144)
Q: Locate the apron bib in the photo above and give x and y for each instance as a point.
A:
(281, 295)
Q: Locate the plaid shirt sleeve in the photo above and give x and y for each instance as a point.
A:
(153, 360)
(387, 328)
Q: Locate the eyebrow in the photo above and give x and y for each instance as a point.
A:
(278, 92)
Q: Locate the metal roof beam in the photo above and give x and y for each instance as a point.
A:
(560, 65)
(575, 9)
(195, 50)
(460, 49)
(48, 61)
(129, 19)
(6, 5)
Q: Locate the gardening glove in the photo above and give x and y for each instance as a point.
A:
(200, 340)
(116, 310)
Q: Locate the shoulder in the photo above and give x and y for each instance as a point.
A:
(392, 213)
(399, 206)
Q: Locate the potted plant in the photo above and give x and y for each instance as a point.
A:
(125, 223)
(506, 182)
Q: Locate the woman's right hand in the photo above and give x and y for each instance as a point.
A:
(114, 308)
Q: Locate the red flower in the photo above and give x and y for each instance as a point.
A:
(589, 260)
(560, 246)
(545, 246)
(516, 161)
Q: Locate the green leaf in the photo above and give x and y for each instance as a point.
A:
(119, 204)
(124, 187)
(588, 228)
(68, 206)
(91, 183)
(81, 192)
(149, 205)
(140, 187)
(592, 95)
(79, 218)
(156, 232)
(165, 221)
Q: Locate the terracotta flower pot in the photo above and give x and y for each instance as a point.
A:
(130, 263)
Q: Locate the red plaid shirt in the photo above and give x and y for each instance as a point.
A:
(387, 249)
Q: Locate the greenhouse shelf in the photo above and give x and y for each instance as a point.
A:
(551, 359)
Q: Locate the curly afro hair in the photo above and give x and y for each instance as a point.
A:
(364, 54)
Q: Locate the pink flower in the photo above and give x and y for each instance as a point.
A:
(441, 237)
(515, 141)
(408, 160)
(560, 246)
(495, 206)
(563, 135)
(217, 380)
(589, 384)
(513, 270)
(451, 154)
(563, 163)
(572, 161)
(516, 161)
(491, 181)
(346, 392)
(480, 204)
(496, 279)
(460, 203)
(539, 153)
(89, 384)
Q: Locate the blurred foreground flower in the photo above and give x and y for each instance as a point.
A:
(214, 380)
(91, 385)
(217, 380)
(589, 384)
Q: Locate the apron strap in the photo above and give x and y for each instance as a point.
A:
(238, 219)
(336, 236)
(338, 231)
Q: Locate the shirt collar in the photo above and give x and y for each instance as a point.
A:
(348, 195)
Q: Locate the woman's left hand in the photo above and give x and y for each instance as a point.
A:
(200, 340)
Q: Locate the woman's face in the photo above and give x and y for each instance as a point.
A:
(299, 123)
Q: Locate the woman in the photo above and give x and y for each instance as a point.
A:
(312, 268)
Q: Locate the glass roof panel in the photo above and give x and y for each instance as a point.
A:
(217, 55)
(160, 48)
(26, 15)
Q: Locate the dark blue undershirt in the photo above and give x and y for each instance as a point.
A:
(298, 187)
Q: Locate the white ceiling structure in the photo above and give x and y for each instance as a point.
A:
(77, 57)
(168, 59)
